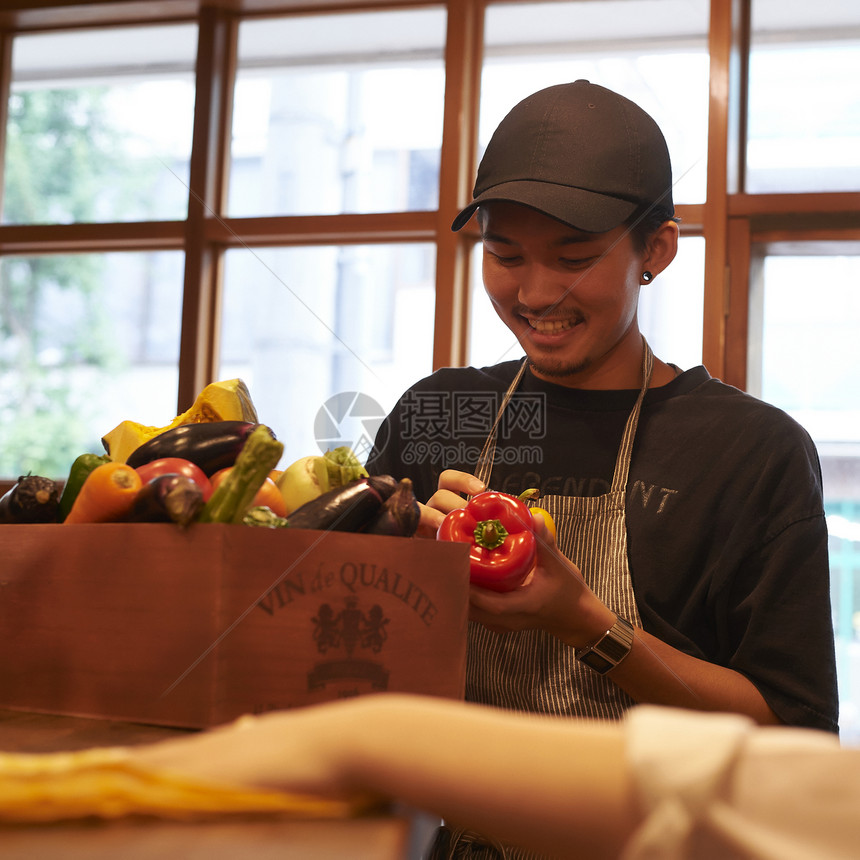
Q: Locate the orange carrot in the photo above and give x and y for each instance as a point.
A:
(106, 495)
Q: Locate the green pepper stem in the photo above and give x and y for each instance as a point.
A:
(525, 495)
(490, 534)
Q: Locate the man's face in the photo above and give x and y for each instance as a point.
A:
(569, 297)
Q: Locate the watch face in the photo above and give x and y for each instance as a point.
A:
(614, 647)
(611, 649)
(596, 662)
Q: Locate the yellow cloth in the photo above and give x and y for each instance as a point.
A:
(106, 783)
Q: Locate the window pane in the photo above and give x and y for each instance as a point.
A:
(671, 307)
(338, 114)
(808, 353)
(804, 109)
(86, 341)
(654, 52)
(303, 325)
(100, 126)
(670, 313)
(490, 340)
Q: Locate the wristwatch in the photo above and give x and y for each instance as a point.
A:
(610, 649)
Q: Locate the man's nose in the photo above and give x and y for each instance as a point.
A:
(541, 286)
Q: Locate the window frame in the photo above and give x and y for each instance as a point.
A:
(730, 221)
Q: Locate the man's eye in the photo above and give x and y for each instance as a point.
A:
(578, 262)
(505, 260)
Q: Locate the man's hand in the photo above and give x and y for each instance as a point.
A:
(452, 489)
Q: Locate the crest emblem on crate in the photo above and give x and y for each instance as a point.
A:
(350, 636)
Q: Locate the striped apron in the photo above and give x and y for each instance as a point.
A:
(530, 670)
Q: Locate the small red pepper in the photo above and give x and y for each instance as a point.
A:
(500, 529)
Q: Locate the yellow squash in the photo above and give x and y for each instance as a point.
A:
(229, 400)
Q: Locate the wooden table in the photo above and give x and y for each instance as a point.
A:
(395, 837)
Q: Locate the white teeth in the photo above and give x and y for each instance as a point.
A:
(550, 326)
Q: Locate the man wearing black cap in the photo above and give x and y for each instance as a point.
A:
(691, 568)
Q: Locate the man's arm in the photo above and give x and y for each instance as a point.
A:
(557, 600)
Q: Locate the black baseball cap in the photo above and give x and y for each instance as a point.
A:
(577, 152)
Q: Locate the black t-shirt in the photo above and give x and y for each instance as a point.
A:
(727, 539)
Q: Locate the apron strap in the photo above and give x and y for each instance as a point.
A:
(484, 467)
(622, 464)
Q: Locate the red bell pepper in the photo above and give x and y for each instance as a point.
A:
(500, 529)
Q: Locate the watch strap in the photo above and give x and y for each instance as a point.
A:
(610, 649)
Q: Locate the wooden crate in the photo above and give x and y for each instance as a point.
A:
(149, 623)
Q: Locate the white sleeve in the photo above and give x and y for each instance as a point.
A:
(717, 787)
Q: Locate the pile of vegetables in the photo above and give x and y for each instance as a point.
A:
(216, 471)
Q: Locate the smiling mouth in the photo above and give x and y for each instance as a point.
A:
(544, 326)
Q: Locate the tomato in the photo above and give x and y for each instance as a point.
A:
(176, 466)
(268, 496)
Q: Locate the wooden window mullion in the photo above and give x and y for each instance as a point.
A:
(207, 190)
(725, 25)
(463, 61)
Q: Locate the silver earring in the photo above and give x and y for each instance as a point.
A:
(647, 277)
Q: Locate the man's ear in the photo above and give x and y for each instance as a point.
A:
(661, 248)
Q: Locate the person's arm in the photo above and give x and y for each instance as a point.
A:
(557, 600)
(656, 673)
(550, 785)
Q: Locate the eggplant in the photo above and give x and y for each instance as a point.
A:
(385, 485)
(168, 498)
(345, 509)
(212, 445)
(399, 515)
(33, 499)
